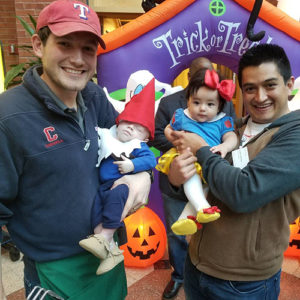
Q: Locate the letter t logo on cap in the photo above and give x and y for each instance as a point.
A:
(83, 9)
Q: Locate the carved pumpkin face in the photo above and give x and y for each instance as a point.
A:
(294, 244)
(146, 237)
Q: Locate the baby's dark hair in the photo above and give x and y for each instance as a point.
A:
(196, 82)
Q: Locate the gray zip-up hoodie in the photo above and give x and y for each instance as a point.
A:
(257, 205)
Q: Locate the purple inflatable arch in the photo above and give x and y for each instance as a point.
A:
(198, 30)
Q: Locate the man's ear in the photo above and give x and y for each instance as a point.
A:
(290, 86)
(37, 45)
(290, 83)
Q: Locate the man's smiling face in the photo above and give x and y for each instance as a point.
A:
(265, 94)
(69, 62)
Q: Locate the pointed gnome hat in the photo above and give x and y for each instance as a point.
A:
(140, 109)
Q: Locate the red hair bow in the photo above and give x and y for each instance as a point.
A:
(225, 88)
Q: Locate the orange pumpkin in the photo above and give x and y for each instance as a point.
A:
(146, 237)
(294, 245)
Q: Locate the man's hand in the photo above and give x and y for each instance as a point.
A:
(182, 168)
(124, 166)
(139, 187)
(183, 140)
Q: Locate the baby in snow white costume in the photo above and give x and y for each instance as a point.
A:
(205, 97)
(122, 150)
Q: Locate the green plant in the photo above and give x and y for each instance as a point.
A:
(14, 75)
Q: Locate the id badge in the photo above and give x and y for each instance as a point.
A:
(240, 157)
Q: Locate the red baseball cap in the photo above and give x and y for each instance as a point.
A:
(67, 16)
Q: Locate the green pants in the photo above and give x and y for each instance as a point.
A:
(75, 278)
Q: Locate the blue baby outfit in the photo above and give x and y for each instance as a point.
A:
(211, 131)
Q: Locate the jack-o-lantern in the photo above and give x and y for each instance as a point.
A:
(294, 245)
(146, 237)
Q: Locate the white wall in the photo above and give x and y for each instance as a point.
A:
(290, 7)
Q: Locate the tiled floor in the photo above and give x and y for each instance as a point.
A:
(147, 283)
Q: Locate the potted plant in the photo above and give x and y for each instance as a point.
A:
(14, 75)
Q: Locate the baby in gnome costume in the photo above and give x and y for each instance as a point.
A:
(122, 150)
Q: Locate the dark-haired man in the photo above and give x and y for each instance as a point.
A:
(240, 255)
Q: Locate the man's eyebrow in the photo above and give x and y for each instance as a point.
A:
(94, 41)
(265, 81)
(272, 79)
(248, 84)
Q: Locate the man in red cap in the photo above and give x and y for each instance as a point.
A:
(48, 156)
(122, 150)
